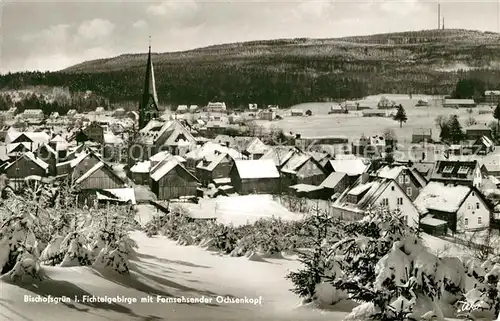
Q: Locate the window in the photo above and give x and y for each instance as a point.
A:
(400, 201)
(385, 202)
(477, 205)
(407, 179)
(463, 170)
(448, 170)
(401, 179)
(466, 221)
(392, 188)
(468, 206)
(408, 191)
(479, 220)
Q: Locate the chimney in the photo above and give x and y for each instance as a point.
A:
(364, 177)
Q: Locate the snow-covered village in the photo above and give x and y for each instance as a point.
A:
(379, 202)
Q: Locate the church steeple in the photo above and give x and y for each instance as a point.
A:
(148, 108)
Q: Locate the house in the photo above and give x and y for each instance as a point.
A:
(374, 113)
(251, 147)
(352, 167)
(421, 135)
(193, 108)
(337, 109)
(215, 169)
(182, 109)
(54, 115)
(32, 139)
(79, 165)
(208, 150)
(170, 180)
(385, 103)
(457, 172)
(481, 146)
(409, 181)
(93, 133)
(305, 143)
(119, 113)
(159, 135)
(100, 111)
(267, 114)
(335, 184)
(252, 107)
(422, 103)
(32, 114)
(301, 168)
(378, 192)
(71, 113)
(99, 176)
(308, 191)
(280, 154)
(216, 107)
(459, 103)
(139, 173)
(461, 207)
(255, 177)
(24, 166)
(492, 96)
(422, 169)
(296, 112)
(477, 131)
(492, 169)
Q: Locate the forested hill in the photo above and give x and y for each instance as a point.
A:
(291, 71)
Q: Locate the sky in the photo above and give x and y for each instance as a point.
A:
(52, 35)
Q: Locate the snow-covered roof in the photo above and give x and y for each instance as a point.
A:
(349, 166)
(492, 93)
(360, 188)
(141, 167)
(261, 168)
(459, 102)
(279, 155)
(163, 168)
(110, 138)
(440, 197)
(33, 158)
(333, 179)
(431, 221)
(390, 172)
(58, 139)
(478, 127)
(89, 172)
(121, 194)
(11, 147)
(210, 148)
(305, 187)
(35, 137)
(212, 161)
(295, 162)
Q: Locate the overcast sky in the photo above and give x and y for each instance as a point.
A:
(51, 35)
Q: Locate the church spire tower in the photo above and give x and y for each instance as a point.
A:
(148, 108)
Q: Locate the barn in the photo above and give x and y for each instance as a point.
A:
(255, 177)
(100, 176)
(169, 179)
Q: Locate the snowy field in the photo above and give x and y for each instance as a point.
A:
(353, 125)
(239, 210)
(169, 270)
(164, 268)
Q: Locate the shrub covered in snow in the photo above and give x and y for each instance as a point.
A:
(381, 264)
(268, 237)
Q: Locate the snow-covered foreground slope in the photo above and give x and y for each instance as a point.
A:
(164, 268)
